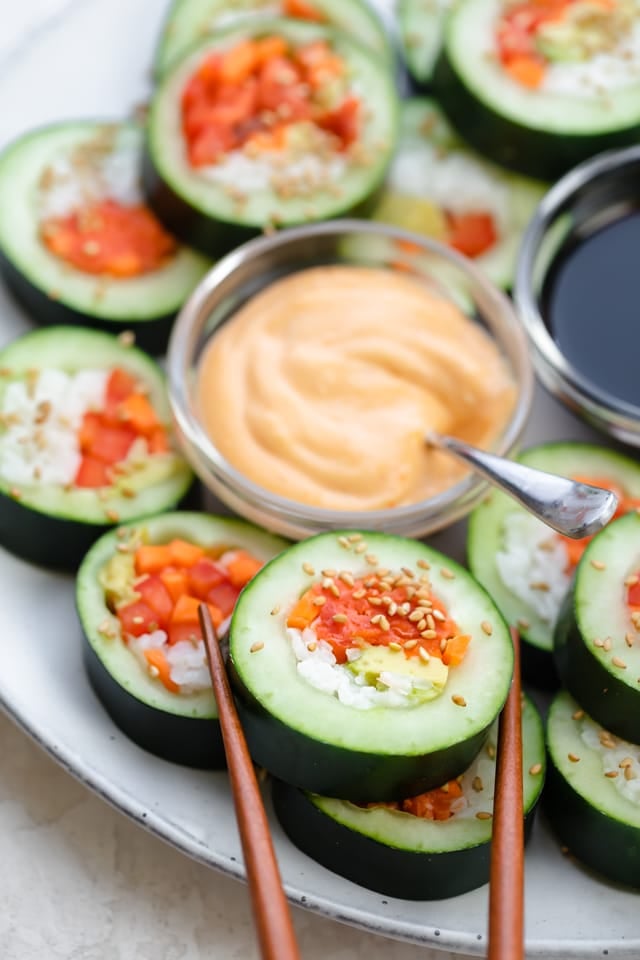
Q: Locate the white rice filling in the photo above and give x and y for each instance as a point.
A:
(619, 758)
(604, 72)
(532, 563)
(451, 180)
(84, 175)
(318, 666)
(41, 418)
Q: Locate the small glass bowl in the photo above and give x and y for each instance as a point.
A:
(590, 196)
(248, 269)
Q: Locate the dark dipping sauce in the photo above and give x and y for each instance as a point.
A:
(591, 305)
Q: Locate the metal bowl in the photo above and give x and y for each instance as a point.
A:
(248, 269)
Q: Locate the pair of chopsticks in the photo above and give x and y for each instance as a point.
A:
(271, 915)
(272, 918)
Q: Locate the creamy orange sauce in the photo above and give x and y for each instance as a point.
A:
(322, 387)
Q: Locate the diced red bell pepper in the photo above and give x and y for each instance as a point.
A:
(92, 473)
(203, 576)
(223, 596)
(155, 594)
(137, 618)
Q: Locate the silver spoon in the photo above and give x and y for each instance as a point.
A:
(572, 508)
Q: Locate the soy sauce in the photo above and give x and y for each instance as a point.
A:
(591, 304)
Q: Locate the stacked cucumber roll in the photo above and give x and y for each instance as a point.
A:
(539, 87)
(439, 188)
(85, 442)
(594, 726)
(138, 592)
(525, 566)
(267, 124)
(77, 243)
(189, 20)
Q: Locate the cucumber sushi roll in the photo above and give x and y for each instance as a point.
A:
(597, 636)
(421, 25)
(428, 847)
(85, 442)
(77, 243)
(138, 592)
(528, 568)
(438, 187)
(267, 124)
(541, 85)
(189, 20)
(367, 666)
(592, 792)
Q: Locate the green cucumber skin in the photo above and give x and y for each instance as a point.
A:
(190, 741)
(610, 701)
(214, 238)
(610, 847)
(323, 768)
(535, 153)
(151, 335)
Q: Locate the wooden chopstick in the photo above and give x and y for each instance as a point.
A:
(272, 918)
(506, 889)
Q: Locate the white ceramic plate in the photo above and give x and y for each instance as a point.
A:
(91, 58)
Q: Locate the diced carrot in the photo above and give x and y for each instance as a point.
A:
(111, 444)
(89, 428)
(408, 246)
(301, 10)
(158, 441)
(138, 411)
(186, 610)
(269, 47)
(152, 558)
(210, 145)
(455, 649)
(242, 567)
(526, 70)
(175, 582)
(281, 90)
(304, 612)
(158, 662)
(435, 804)
(119, 385)
(343, 122)
(237, 63)
(319, 62)
(92, 473)
(471, 233)
(185, 554)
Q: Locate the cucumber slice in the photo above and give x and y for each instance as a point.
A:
(401, 855)
(54, 524)
(219, 209)
(596, 644)
(314, 740)
(433, 171)
(589, 797)
(55, 291)
(190, 20)
(179, 727)
(507, 549)
(539, 132)
(421, 25)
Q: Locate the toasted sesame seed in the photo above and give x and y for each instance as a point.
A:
(578, 715)
(607, 644)
(329, 573)
(422, 625)
(573, 757)
(447, 574)
(632, 580)
(491, 750)
(344, 543)
(423, 564)
(383, 572)
(628, 639)
(392, 609)
(334, 590)
(122, 548)
(309, 568)
(15, 493)
(522, 623)
(626, 762)
(483, 815)
(541, 585)
(153, 670)
(311, 646)
(339, 618)
(477, 784)
(404, 609)
(486, 627)
(361, 547)
(346, 578)
(371, 559)
(408, 572)
(428, 634)
(439, 615)
(112, 515)
(354, 537)
(127, 338)
(612, 774)
(410, 644)
(423, 654)
(630, 774)
(443, 644)
(458, 700)
(137, 619)
(384, 623)
(395, 646)
(327, 583)
(375, 601)
(618, 662)
(535, 769)
(258, 645)
(276, 610)
(430, 621)
(598, 642)
(598, 564)
(319, 601)
(359, 594)
(370, 582)
(415, 615)
(375, 619)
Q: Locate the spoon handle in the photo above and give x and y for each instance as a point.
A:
(571, 508)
